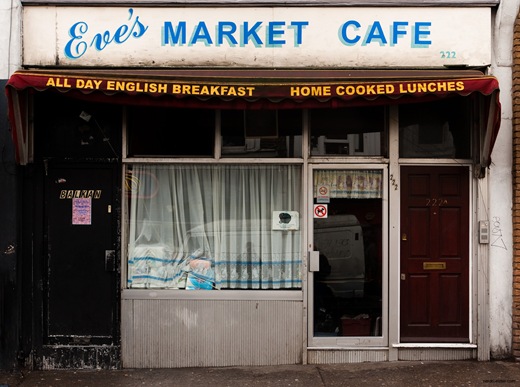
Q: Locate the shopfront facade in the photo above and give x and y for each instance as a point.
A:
(223, 185)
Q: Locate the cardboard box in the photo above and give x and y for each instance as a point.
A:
(355, 326)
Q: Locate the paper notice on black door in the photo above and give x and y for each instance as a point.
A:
(81, 211)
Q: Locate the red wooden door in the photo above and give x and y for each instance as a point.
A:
(434, 254)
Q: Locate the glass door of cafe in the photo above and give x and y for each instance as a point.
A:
(348, 255)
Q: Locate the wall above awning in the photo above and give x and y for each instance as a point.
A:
(250, 89)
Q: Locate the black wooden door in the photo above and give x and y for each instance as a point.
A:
(81, 295)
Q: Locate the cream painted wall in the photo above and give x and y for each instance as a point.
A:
(500, 190)
(10, 37)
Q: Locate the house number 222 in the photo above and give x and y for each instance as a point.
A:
(448, 54)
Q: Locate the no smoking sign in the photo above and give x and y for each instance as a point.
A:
(323, 194)
(320, 211)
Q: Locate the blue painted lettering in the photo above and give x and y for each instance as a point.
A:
(298, 31)
(352, 32)
(375, 34)
(225, 30)
(233, 34)
(420, 32)
(273, 32)
(251, 33)
(398, 31)
(121, 35)
(201, 33)
(77, 46)
(174, 36)
(343, 33)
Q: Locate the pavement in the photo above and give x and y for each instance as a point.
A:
(400, 373)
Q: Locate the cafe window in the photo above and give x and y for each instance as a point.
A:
(261, 133)
(170, 132)
(214, 227)
(353, 131)
(439, 129)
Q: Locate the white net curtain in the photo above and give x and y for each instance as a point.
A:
(211, 226)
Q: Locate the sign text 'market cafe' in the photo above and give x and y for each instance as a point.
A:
(259, 34)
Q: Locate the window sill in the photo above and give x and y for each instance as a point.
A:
(181, 294)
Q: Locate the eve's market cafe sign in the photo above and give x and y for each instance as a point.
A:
(256, 37)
